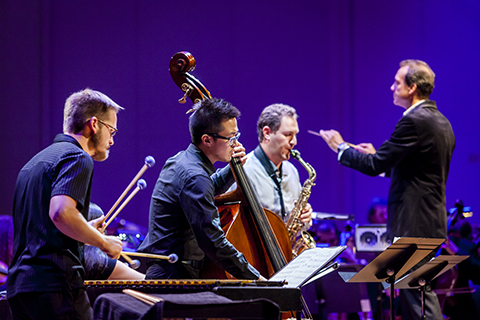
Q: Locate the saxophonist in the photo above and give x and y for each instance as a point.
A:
(276, 180)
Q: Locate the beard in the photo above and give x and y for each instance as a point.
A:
(101, 154)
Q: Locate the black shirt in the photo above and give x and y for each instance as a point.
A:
(45, 259)
(183, 217)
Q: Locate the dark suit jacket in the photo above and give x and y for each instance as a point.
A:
(417, 156)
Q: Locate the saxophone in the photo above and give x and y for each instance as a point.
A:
(301, 240)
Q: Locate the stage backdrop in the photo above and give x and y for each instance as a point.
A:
(334, 61)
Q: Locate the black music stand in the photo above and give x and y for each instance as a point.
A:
(423, 276)
(394, 262)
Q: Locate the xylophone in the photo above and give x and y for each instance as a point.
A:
(288, 299)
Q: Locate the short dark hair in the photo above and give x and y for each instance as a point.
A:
(83, 105)
(208, 117)
(419, 73)
(272, 116)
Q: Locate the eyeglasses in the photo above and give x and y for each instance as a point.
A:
(231, 141)
(113, 130)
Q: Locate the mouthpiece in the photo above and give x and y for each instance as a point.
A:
(172, 258)
(141, 184)
(295, 153)
(150, 161)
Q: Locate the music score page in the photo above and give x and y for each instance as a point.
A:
(306, 265)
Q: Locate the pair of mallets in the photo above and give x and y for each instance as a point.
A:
(141, 184)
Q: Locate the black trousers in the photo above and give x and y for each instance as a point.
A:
(166, 270)
(411, 304)
(51, 305)
(411, 299)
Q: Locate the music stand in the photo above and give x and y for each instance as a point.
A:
(394, 262)
(424, 275)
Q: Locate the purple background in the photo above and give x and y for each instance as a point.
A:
(334, 61)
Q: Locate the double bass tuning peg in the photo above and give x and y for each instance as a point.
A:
(188, 89)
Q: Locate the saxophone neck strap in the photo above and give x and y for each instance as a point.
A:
(273, 172)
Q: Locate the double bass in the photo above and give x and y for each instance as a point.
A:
(258, 233)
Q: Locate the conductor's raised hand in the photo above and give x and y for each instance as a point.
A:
(332, 137)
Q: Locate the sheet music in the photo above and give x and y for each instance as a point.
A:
(331, 267)
(307, 264)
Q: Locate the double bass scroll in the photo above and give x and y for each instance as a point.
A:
(180, 65)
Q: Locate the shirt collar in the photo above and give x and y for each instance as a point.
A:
(197, 152)
(262, 156)
(413, 107)
(62, 137)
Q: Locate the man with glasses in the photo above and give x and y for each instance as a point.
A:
(183, 217)
(52, 197)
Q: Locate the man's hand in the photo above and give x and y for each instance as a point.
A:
(239, 151)
(366, 148)
(306, 215)
(332, 138)
(98, 224)
(112, 246)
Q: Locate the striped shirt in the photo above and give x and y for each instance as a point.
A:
(45, 259)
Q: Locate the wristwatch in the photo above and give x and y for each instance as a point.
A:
(342, 146)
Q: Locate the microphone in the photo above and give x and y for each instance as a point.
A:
(331, 216)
